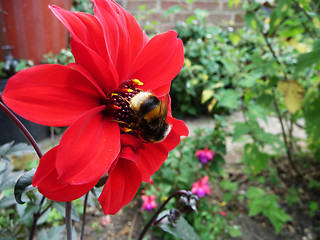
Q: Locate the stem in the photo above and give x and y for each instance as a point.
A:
(22, 128)
(84, 216)
(68, 221)
(289, 154)
(32, 141)
(284, 135)
(36, 216)
(153, 218)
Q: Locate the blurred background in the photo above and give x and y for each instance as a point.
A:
(249, 93)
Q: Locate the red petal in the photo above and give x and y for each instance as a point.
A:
(87, 75)
(153, 156)
(122, 185)
(50, 94)
(88, 148)
(151, 159)
(88, 46)
(159, 61)
(122, 33)
(46, 178)
(178, 126)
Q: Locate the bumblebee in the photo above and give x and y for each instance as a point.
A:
(152, 115)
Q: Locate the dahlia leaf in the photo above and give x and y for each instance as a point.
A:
(23, 185)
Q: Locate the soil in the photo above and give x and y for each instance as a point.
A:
(125, 225)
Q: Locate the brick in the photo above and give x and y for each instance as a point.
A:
(168, 4)
(167, 26)
(182, 16)
(212, 5)
(239, 18)
(156, 16)
(225, 6)
(135, 5)
(218, 18)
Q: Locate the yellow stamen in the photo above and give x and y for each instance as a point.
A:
(126, 129)
(127, 90)
(137, 82)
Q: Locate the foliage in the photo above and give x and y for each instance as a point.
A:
(207, 73)
(268, 68)
(64, 57)
(182, 168)
(267, 204)
(268, 71)
(82, 6)
(16, 219)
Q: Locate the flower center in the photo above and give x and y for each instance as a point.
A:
(119, 102)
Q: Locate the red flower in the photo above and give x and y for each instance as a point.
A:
(110, 50)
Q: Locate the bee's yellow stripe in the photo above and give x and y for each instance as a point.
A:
(154, 113)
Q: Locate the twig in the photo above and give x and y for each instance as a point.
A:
(287, 144)
(132, 225)
(153, 218)
(284, 135)
(22, 128)
(84, 216)
(68, 221)
(36, 216)
(34, 144)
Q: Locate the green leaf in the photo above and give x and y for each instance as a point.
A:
(55, 233)
(24, 184)
(7, 201)
(180, 229)
(308, 59)
(256, 207)
(190, 19)
(227, 185)
(172, 10)
(228, 99)
(60, 206)
(255, 111)
(277, 217)
(240, 129)
(312, 118)
(255, 192)
(235, 38)
(254, 159)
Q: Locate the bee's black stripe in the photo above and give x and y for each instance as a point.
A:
(148, 105)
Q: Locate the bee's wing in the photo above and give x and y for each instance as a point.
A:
(164, 102)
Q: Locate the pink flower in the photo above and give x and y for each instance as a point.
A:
(148, 202)
(205, 155)
(223, 213)
(105, 221)
(201, 187)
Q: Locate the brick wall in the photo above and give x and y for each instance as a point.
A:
(219, 11)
